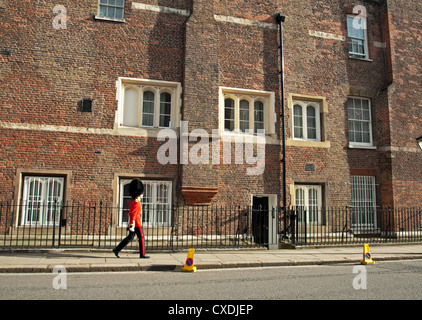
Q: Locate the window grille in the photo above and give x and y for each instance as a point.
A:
(363, 201)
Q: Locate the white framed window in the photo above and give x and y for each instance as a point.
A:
(156, 203)
(363, 201)
(245, 111)
(148, 103)
(111, 10)
(306, 120)
(357, 36)
(360, 126)
(42, 200)
(308, 202)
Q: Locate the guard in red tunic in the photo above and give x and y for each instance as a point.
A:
(136, 190)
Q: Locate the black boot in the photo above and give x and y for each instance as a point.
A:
(116, 252)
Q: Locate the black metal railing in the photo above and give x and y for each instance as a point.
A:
(351, 225)
(99, 225)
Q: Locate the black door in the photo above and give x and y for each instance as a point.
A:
(260, 220)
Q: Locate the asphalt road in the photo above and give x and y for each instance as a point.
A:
(384, 280)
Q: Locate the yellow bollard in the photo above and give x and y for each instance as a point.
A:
(367, 259)
(189, 267)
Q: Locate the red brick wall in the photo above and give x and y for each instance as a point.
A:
(49, 71)
(405, 101)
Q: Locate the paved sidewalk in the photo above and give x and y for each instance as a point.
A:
(79, 260)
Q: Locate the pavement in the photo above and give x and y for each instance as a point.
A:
(89, 260)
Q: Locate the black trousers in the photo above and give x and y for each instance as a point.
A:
(140, 233)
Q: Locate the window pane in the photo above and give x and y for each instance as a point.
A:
(163, 203)
(313, 205)
(148, 109)
(33, 201)
(298, 121)
(300, 203)
(358, 132)
(229, 114)
(165, 110)
(365, 109)
(311, 122)
(357, 46)
(300, 197)
(111, 12)
(353, 32)
(366, 132)
(119, 13)
(103, 11)
(164, 121)
(258, 116)
(148, 120)
(125, 205)
(312, 133)
(352, 131)
(244, 116)
(147, 203)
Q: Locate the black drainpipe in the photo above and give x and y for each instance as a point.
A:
(280, 19)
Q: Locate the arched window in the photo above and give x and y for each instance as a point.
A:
(148, 109)
(306, 121)
(229, 114)
(298, 121)
(258, 116)
(244, 115)
(311, 122)
(165, 110)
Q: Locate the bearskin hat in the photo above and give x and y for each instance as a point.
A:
(136, 188)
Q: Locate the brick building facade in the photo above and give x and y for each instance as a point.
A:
(93, 93)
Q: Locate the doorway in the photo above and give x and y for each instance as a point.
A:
(260, 220)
